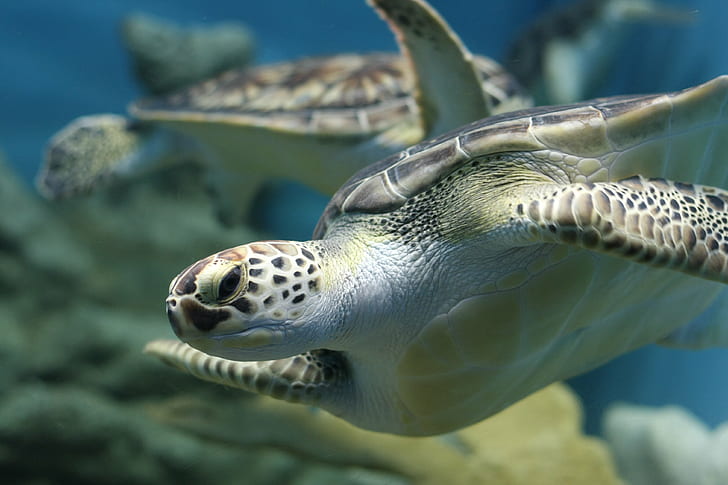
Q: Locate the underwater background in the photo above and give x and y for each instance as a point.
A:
(63, 59)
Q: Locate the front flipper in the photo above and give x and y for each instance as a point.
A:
(314, 378)
(448, 88)
(653, 221)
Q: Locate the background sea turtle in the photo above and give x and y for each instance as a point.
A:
(316, 120)
(566, 55)
(452, 279)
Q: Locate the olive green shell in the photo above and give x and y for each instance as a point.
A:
(594, 133)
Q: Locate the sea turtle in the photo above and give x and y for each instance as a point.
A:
(315, 120)
(449, 280)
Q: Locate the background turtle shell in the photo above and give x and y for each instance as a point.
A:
(347, 94)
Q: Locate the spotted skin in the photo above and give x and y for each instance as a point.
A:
(270, 280)
(652, 221)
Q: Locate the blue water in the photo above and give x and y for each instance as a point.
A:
(62, 59)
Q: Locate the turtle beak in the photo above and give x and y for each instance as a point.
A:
(194, 324)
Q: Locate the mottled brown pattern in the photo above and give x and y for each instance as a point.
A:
(343, 81)
(344, 94)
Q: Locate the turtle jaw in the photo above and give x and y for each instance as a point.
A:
(216, 331)
(246, 345)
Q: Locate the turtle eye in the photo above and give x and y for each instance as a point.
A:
(229, 285)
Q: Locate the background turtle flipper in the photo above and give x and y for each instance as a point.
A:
(311, 378)
(652, 221)
(448, 87)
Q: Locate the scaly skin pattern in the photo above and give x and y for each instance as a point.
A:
(652, 221)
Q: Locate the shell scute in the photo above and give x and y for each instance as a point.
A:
(508, 135)
(556, 131)
(419, 171)
(376, 194)
(631, 122)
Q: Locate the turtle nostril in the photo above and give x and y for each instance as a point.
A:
(173, 319)
(171, 302)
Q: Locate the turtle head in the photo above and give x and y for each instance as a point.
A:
(250, 302)
(90, 152)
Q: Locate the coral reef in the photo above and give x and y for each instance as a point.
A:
(666, 446)
(167, 57)
(537, 437)
(82, 289)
